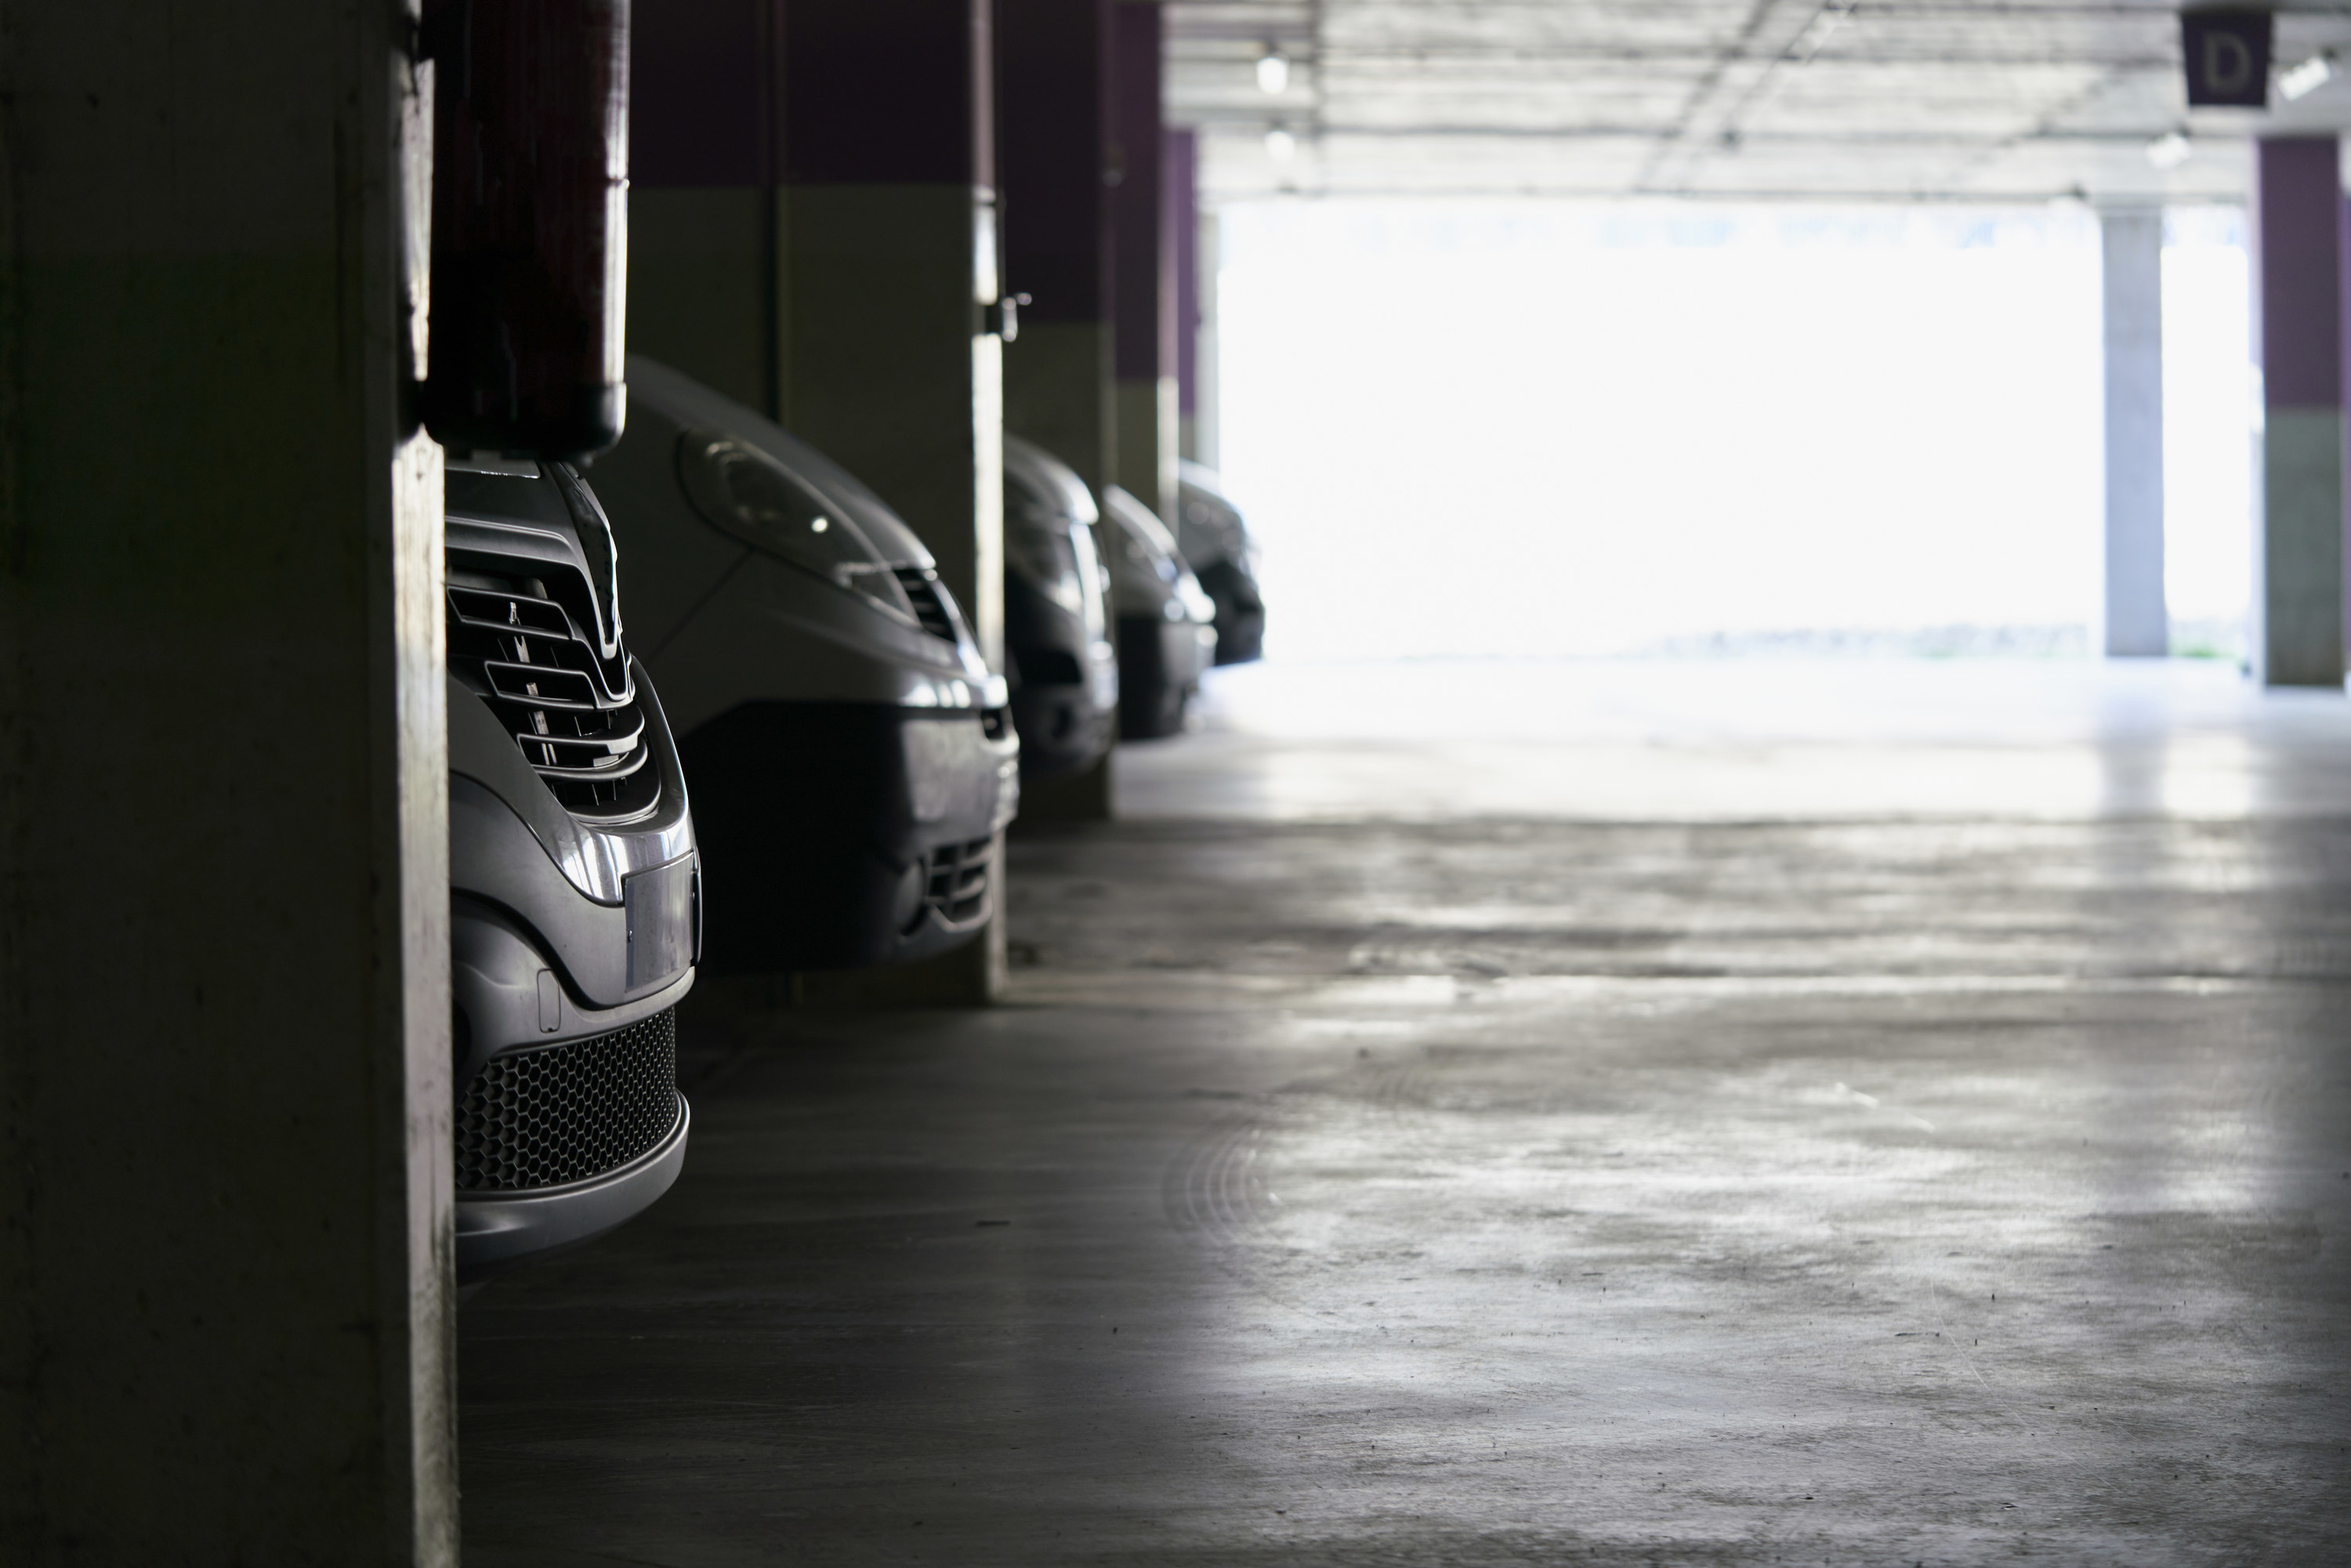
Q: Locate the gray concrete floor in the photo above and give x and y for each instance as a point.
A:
(1850, 1178)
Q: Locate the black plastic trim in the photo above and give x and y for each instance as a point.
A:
(820, 821)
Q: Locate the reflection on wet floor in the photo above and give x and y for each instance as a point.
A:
(1858, 1177)
(1745, 739)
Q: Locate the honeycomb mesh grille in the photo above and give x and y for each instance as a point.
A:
(558, 1113)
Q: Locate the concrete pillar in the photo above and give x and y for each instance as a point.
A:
(2138, 624)
(1207, 349)
(224, 1161)
(887, 261)
(1143, 269)
(2297, 224)
(1053, 60)
(1184, 249)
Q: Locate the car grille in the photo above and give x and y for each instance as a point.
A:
(547, 1116)
(957, 890)
(923, 589)
(515, 642)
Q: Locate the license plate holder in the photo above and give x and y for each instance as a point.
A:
(661, 914)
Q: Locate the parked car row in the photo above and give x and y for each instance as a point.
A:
(852, 757)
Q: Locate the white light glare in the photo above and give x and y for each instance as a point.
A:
(1272, 71)
(2306, 78)
(2168, 151)
(1281, 145)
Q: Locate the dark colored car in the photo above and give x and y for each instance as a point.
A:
(1166, 634)
(1062, 667)
(852, 755)
(574, 881)
(1215, 544)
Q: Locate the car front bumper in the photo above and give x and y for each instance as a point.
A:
(840, 835)
(497, 1230)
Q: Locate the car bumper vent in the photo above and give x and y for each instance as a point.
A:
(552, 1115)
(957, 894)
(923, 589)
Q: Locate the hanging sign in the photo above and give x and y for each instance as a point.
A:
(2228, 57)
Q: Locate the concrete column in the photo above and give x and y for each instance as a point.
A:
(2137, 623)
(2297, 224)
(1207, 349)
(1183, 247)
(886, 269)
(1143, 269)
(225, 1162)
(1053, 60)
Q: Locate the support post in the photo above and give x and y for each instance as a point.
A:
(2299, 247)
(226, 1292)
(1208, 359)
(887, 264)
(1144, 297)
(2136, 622)
(1183, 245)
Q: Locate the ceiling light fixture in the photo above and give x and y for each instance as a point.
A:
(1281, 145)
(1272, 70)
(2306, 78)
(2168, 151)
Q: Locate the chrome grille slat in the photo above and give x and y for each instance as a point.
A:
(525, 653)
(525, 676)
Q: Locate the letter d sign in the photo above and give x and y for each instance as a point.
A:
(2228, 57)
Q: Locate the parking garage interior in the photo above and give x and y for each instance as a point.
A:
(1175, 782)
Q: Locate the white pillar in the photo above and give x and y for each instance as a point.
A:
(2137, 622)
(1206, 397)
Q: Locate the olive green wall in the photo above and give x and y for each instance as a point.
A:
(886, 371)
(700, 265)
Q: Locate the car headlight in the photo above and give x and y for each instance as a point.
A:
(747, 494)
(1194, 600)
(1040, 551)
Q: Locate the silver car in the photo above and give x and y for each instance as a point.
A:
(574, 882)
(1215, 545)
(1166, 626)
(851, 754)
(1056, 633)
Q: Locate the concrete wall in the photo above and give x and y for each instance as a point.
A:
(1142, 259)
(1054, 60)
(706, 157)
(224, 946)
